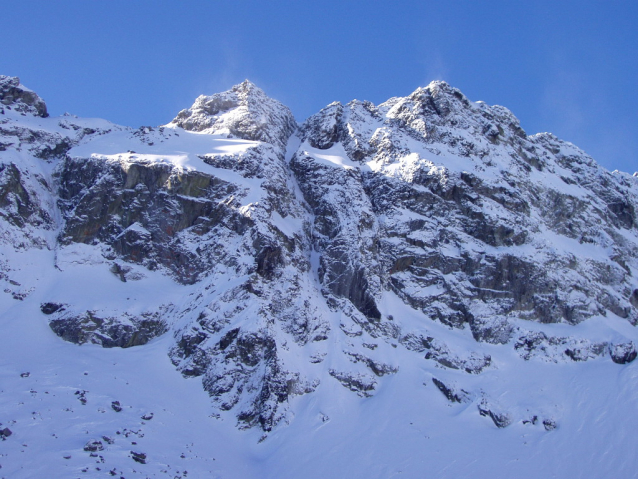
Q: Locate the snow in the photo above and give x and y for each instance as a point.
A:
(183, 150)
(288, 226)
(334, 156)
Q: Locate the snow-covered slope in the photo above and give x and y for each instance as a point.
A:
(413, 288)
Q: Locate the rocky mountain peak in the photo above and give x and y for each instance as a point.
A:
(14, 95)
(421, 251)
(437, 100)
(244, 111)
(247, 87)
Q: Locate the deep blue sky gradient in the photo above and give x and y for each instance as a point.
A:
(569, 67)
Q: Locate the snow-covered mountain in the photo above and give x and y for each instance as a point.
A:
(415, 287)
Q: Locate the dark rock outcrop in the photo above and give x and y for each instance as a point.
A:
(451, 393)
(500, 418)
(17, 96)
(623, 353)
(108, 331)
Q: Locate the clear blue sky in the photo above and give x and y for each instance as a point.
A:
(569, 67)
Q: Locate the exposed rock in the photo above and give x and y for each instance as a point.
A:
(139, 457)
(452, 394)
(500, 418)
(81, 394)
(623, 353)
(554, 349)
(549, 424)
(377, 367)
(50, 308)
(468, 361)
(364, 385)
(94, 446)
(91, 327)
(19, 204)
(20, 98)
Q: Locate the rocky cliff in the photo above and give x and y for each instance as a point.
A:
(428, 230)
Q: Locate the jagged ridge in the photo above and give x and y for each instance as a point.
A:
(333, 243)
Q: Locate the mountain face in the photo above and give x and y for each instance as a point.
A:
(277, 262)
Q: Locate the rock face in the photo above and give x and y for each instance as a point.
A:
(122, 331)
(474, 226)
(286, 258)
(243, 112)
(15, 96)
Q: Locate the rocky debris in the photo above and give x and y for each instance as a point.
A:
(116, 406)
(362, 384)
(549, 424)
(452, 393)
(139, 457)
(5, 433)
(468, 361)
(129, 432)
(623, 353)
(554, 349)
(94, 446)
(81, 394)
(246, 372)
(378, 368)
(472, 363)
(500, 418)
(16, 96)
(588, 352)
(147, 417)
(532, 344)
(125, 273)
(108, 440)
(50, 308)
(25, 374)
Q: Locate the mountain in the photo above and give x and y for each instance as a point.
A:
(415, 287)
